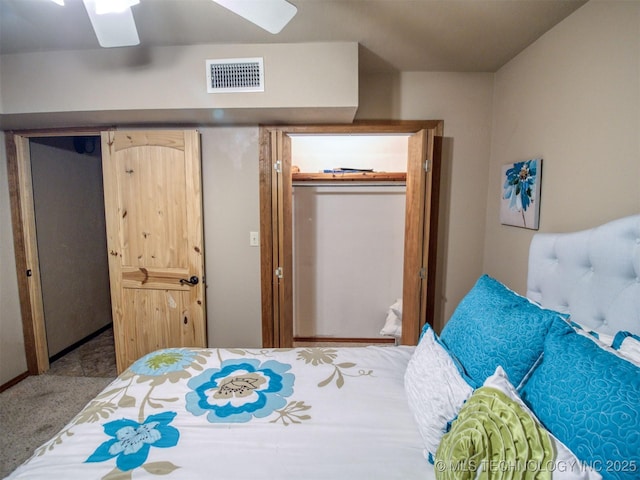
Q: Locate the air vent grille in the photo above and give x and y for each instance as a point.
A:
(235, 75)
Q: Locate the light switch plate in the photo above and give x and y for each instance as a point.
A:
(254, 239)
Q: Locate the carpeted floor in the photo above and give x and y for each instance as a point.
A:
(36, 409)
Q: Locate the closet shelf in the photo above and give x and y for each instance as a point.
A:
(399, 177)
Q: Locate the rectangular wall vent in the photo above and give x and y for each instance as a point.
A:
(235, 75)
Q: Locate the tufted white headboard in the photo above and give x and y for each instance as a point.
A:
(594, 275)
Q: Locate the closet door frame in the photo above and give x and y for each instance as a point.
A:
(423, 172)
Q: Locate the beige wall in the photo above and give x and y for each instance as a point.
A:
(12, 357)
(231, 211)
(231, 202)
(168, 84)
(69, 212)
(572, 98)
(463, 101)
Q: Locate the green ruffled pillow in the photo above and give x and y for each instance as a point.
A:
(495, 436)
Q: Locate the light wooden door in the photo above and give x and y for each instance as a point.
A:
(153, 208)
(417, 242)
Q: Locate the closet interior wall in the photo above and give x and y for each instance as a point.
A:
(348, 237)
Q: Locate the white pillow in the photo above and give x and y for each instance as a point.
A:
(435, 390)
(393, 323)
(628, 345)
(566, 464)
(599, 338)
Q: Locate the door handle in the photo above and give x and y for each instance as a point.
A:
(193, 280)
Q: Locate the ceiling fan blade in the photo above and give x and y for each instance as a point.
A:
(113, 29)
(271, 15)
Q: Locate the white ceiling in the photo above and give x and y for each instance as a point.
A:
(404, 35)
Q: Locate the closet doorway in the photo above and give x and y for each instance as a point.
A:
(312, 289)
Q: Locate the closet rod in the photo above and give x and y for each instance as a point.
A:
(349, 184)
(349, 177)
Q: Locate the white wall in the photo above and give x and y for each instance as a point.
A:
(464, 102)
(13, 361)
(381, 153)
(572, 98)
(348, 246)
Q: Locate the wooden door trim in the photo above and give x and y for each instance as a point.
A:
(25, 240)
(271, 314)
(267, 254)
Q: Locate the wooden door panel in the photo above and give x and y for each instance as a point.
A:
(286, 256)
(161, 320)
(153, 204)
(413, 295)
(154, 278)
(153, 231)
(141, 138)
(155, 324)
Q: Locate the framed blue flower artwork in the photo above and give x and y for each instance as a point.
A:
(520, 196)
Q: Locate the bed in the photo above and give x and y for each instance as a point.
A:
(541, 387)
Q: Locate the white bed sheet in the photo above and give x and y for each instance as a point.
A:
(342, 413)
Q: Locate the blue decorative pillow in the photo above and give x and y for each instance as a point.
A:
(495, 326)
(589, 399)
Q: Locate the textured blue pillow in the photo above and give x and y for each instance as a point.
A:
(589, 399)
(495, 326)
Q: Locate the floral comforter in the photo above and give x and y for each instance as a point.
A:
(305, 413)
